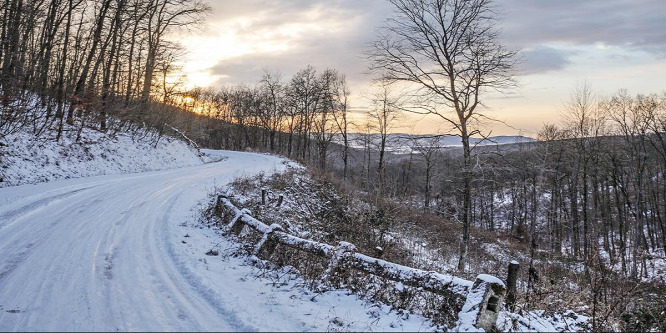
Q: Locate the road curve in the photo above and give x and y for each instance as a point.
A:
(95, 254)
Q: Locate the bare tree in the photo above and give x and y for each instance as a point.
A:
(449, 52)
(97, 37)
(342, 93)
(305, 96)
(585, 123)
(273, 90)
(384, 115)
(165, 15)
(427, 147)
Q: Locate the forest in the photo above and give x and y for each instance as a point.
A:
(104, 64)
(591, 188)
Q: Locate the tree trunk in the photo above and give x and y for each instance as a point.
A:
(467, 200)
(80, 84)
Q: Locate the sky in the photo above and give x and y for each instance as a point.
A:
(611, 44)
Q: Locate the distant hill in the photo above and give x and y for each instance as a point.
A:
(401, 143)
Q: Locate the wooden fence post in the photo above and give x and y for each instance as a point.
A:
(236, 226)
(268, 243)
(219, 204)
(263, 197)
(511, 280)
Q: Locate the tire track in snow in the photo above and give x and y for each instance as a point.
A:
(13, 260)
(15, 252)
(96, 254)
(9, 216)
(196, 284)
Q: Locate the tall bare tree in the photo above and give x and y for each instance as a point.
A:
(271, 118)
(342, 93)
(449, 51)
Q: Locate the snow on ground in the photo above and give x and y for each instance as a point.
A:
(424, 255)
(280, 300)
(28, 160)
(538, 321)
(125, 252)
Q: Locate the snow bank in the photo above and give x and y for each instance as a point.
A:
(28, 160)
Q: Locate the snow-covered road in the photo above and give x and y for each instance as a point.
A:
(96, 253)
(126, 253)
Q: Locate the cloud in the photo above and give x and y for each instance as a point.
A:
(288, 35)
(635, 25)
(543, 59)
(249, 68)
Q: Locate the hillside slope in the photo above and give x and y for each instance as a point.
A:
(25, 159)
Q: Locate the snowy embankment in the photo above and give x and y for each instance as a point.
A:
(25, 159)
